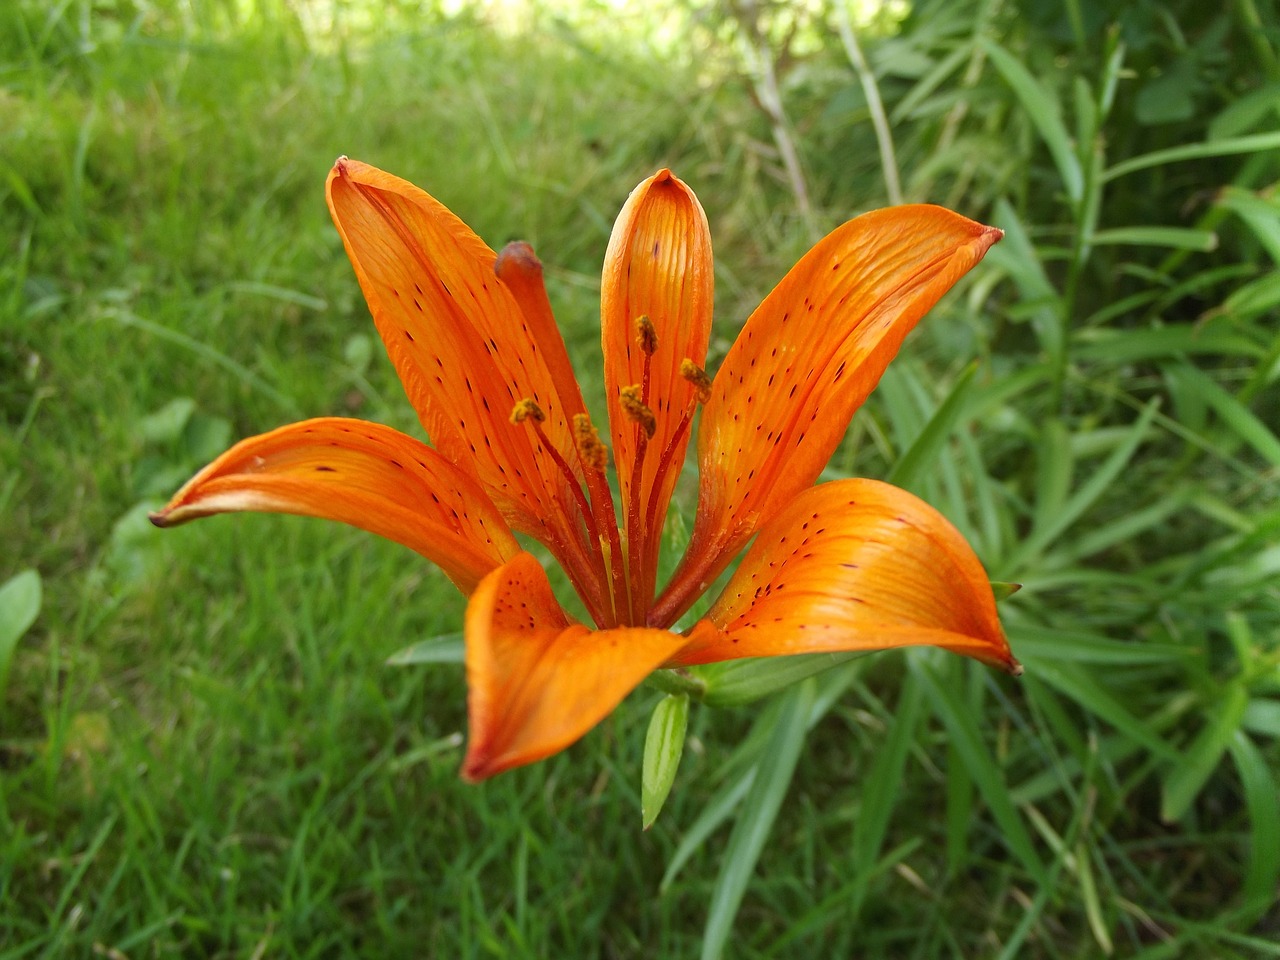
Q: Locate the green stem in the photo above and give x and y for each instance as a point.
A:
(677, 682)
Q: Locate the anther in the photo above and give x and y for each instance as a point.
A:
(594, 454)
(636, 409)
(646, 335)
(527, 409)
(698, 377)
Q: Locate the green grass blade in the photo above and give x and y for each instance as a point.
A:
(968, 743)
(717, 810)
(907, 471)
(1234, 414)
(1043, 111)
(1080, 686)
(1179, 238)
(1102, 478)
(447, 648)
(1256, 143)
(755, 818)
(1193, 767)
(1262, 800)
(20, 599)
(1126, 346)
(880, 784)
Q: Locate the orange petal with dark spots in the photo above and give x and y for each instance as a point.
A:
(805, 361)
(537, 681)
(463, 348)
(658, 265)
(361, 473)
(853, 565)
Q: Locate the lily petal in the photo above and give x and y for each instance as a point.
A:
(361, 473)
(463, 349)
(853, 565)
(658, 266)
(536, 680)
(804, 362)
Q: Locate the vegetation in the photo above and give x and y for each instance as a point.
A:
(203, 752)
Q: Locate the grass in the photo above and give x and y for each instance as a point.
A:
(201, 751)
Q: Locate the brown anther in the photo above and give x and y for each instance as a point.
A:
(637, 410)
(526, 409)
(698, 377)
(646, 335)
(594, 454)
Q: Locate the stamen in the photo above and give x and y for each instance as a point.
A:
(698, 377)
(527, 409)
(594, 454)
(646, 335)
(637, 410)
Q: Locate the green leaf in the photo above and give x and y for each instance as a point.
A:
(663, 745)
(881, 783)
(755, 819)
(1262, 214)
(447, 648)
(1099, 482)
(1125, 346)
(987, 776)
(717, 810)
(910, 467)
(1250, 299)
(1234, 414)
(1256, 143)
(20, 599)
(1262, 800)
(735, 682)
(1191, 770)
(1056, 645)
(1043, 111)
(167, 423)
(1180, 238)
(1003, 591)
(1085, 689)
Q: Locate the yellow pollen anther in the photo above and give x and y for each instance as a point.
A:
(637, 410)
(526, 409)
(646, 335)
(698, 377)
(594, 453)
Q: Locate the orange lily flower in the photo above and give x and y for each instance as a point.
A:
(845, 565)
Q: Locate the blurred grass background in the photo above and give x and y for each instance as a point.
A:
(202, 753)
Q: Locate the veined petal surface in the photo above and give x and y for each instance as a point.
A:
(537, 681)
(462, 347)
(853, 565)
(365, 474)
(805, 361)
(658, 265)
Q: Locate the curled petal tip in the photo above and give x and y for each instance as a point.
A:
(519, 254)
(160, 518)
